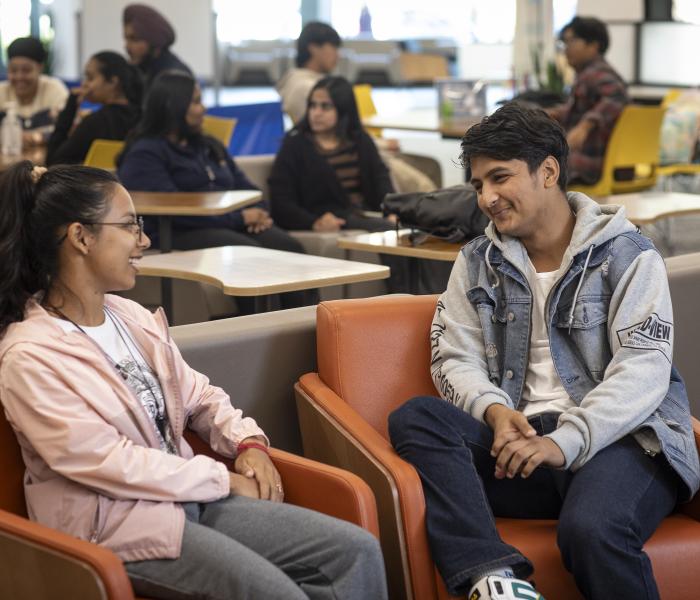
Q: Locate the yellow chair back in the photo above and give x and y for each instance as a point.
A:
(633, 149)
(671, 96)
(103, 154)
(365, 106)
(220, 128)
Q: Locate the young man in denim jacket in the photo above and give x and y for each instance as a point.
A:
(552, 352)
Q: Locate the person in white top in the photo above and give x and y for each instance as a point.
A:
(317, 56)
(38, 98)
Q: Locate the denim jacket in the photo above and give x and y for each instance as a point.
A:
(610, 325)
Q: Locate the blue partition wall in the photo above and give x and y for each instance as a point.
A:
(259, 127)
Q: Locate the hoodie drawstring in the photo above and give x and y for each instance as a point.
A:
(578, 287)
(490, 268)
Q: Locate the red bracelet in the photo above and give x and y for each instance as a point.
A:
(243, 446)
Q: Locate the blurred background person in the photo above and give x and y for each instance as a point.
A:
(147, 39)
(597, 98)
(111, 81)
(37, 97)
(167, 152)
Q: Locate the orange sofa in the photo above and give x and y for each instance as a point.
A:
(41, 563)
(374, 354)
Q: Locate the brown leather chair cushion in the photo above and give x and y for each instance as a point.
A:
(353, 357)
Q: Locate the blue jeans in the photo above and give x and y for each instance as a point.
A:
(606, 510)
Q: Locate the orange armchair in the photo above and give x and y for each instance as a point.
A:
(39, 562)
(373, 355)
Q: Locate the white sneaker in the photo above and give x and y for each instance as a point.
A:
(495, 587)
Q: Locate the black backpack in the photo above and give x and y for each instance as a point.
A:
(451, 214)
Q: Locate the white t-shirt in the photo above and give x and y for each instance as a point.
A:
(51, 95)
(128, 360)
(543, 390)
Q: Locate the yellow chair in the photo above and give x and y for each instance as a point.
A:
(103, 154)
(671, 96)
(365, 106)
(220, 128)
(633, 149)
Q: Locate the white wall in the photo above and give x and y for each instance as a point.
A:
(622, 50)
(191, 19)
(485, 61)
(617, 10)
(66, 62)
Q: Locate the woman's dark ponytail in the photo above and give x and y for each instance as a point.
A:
(35, 208)
(17, 275)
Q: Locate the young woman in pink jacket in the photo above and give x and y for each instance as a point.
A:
(99, 395)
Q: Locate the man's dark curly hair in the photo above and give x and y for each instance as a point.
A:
(517, 132)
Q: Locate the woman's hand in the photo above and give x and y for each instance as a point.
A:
(243, 486)
(328, 222)
(256, 220)
(256, 466)
(79, 91)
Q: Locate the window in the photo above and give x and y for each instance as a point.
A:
(14, 20)
(271, 20)
(467, 22)
(687, 11)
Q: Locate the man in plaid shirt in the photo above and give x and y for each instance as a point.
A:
(597, 98)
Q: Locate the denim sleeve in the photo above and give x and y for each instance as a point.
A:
(636, 380)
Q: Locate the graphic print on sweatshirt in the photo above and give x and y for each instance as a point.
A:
(651, 334)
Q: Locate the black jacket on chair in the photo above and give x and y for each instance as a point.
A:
(304, 186)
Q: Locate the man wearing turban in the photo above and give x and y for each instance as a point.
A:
(148, 37)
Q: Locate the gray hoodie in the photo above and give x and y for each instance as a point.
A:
(610, 324)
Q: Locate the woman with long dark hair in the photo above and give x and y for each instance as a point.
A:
(111, 81)
(328, 170)
(167, 152)
(99, 397)
(328, 173)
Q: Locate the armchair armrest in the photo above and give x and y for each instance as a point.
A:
(39, 562)
(327, 489)
(316, 486)
(692, 508)
(334, 433)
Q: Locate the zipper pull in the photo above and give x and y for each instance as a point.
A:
(210, 172)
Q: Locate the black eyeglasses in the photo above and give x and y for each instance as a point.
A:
(135, 227)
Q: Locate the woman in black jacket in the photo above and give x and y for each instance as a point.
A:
(328, 170)
(116, 85)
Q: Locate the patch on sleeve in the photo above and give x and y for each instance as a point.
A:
(651, 334)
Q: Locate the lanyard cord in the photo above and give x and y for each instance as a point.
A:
(160, 406)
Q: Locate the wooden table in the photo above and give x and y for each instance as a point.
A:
(37, 155)
(166, 205)
(400, 244)
(423, 119)
(253, 271)
(644, 208)
(648, 208)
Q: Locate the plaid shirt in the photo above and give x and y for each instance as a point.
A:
(599, 95)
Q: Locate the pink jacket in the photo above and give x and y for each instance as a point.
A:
(94, 465)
